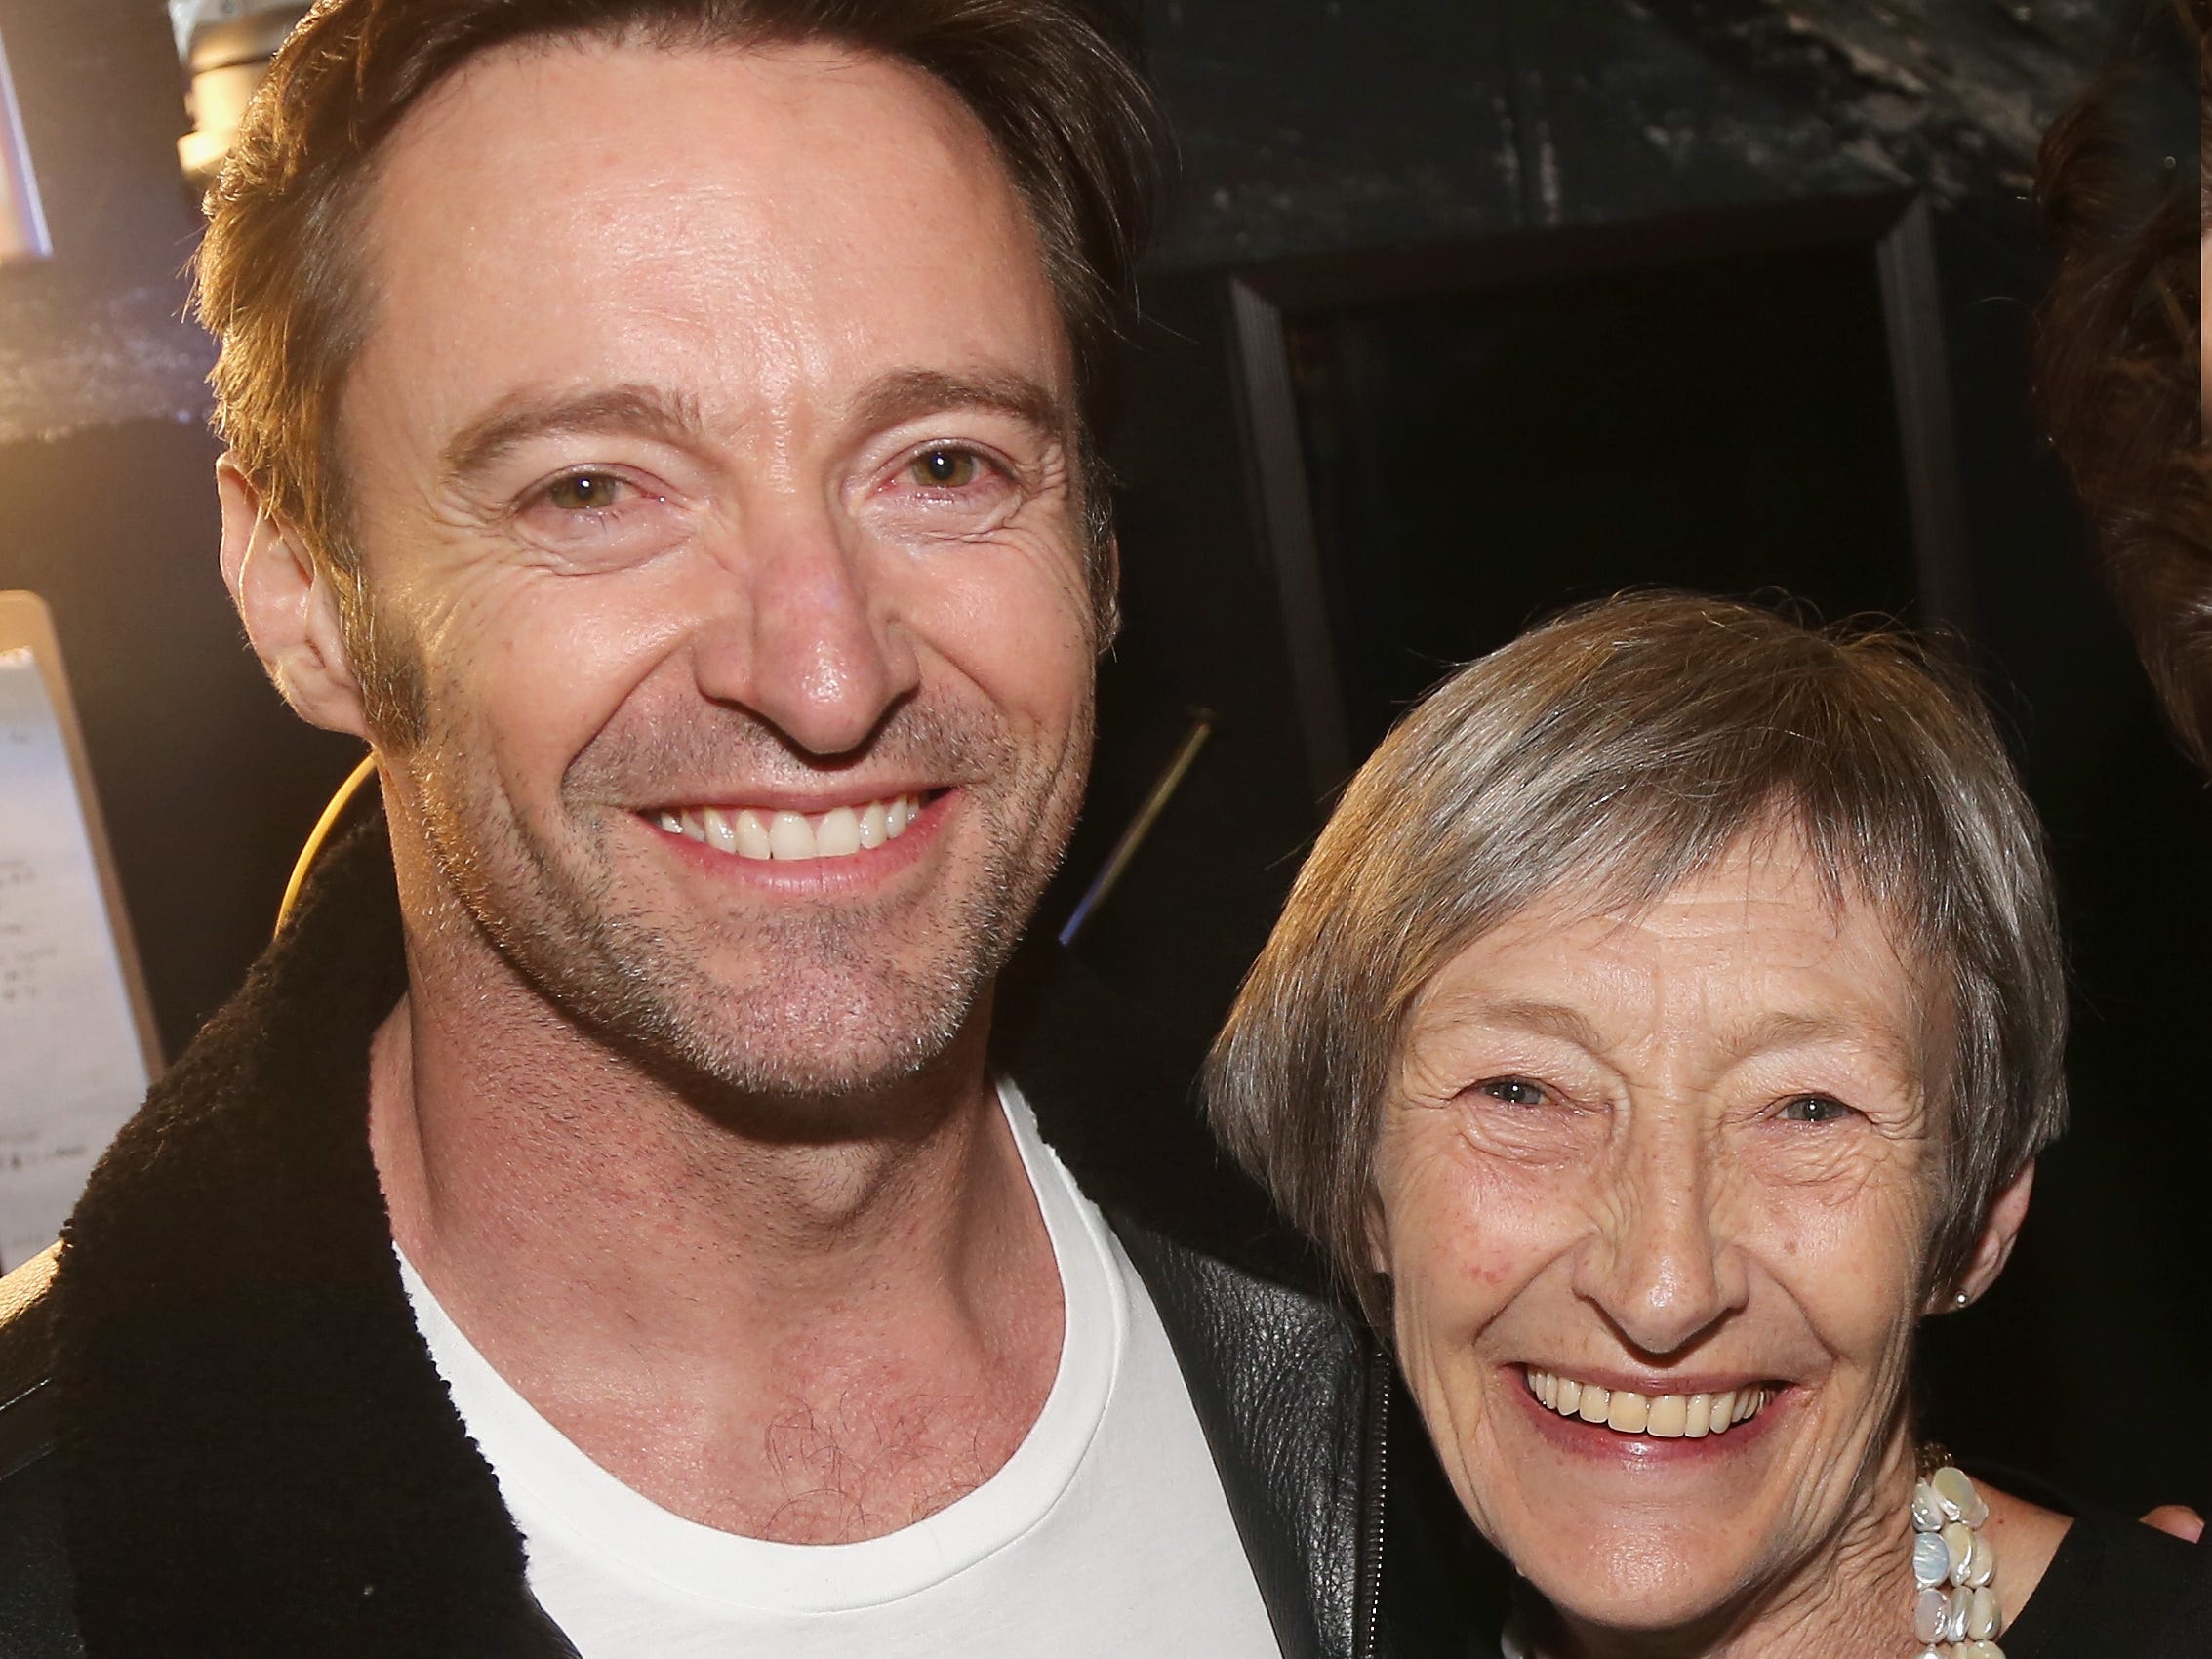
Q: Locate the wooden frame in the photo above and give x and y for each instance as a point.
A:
(26, 623)
(22, 215)
(1266, 300)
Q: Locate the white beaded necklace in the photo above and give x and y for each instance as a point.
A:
(1955, 1613)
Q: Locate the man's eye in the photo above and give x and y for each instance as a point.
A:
(946, 468)
(1813, 1109)
(585, 492)
(1513, 1091)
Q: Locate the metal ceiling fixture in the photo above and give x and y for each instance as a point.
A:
(226, 44)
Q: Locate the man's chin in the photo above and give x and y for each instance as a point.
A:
(795, 1050)
(800, 1093)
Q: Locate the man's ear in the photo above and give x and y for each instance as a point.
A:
(1999, 1236)
(289, 607)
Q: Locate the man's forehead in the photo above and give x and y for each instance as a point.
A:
(535, 79)
(754, 221)
(578, 110)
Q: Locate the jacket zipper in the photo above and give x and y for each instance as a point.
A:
(1368, 1592)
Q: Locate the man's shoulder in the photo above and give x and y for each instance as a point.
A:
(27, 1354)
(37, 1620)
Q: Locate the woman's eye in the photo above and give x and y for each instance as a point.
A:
(1513, 1091)
(585, 492)
(1813, 1109)
(946, 468)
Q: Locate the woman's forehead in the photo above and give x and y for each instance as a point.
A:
(1763, 946)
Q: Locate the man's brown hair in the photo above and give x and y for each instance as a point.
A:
(2120, 370)
(279, 275)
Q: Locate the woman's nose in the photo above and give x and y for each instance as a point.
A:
(1658, 1263)
(808, 640)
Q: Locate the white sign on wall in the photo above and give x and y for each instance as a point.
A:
(76, 1045)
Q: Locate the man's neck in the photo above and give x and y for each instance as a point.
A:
(800, 1339)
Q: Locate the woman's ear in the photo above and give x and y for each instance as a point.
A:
(289, 607)
(1998, 1234)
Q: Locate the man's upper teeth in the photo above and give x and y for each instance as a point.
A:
(750, 833)
(1667, 1416)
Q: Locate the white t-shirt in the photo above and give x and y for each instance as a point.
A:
(1106, 1534)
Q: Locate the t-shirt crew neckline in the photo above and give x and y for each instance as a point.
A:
(541, 1468)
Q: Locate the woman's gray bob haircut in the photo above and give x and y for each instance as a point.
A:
(1615, 751)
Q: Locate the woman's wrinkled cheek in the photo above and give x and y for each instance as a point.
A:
(1487, 1271)
(1464, 1249)
(1465, 1230)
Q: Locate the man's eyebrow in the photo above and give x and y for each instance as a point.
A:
(519, 417)
(908, 394)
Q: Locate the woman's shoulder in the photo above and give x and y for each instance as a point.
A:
(2117, 1587)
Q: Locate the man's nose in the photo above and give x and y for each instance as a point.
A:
(811, 641)
(1658, 1262)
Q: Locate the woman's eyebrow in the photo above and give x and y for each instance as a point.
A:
(1780, 1029)
(522, 416)
(1524, 1013)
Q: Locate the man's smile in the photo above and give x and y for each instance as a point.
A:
(772, 834)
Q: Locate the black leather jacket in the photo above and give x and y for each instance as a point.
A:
(220, 1433)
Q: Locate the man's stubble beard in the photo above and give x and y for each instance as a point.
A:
(826, 1005)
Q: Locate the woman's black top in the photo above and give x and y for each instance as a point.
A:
(2117, 1590)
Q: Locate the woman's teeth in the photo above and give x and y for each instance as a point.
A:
(1667, 1416)
(795, 836)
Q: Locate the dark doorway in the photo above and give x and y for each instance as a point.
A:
(1478, 460)
(1455, 443)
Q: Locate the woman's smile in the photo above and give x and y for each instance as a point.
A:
(1679, 1412)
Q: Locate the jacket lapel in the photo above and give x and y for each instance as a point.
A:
(1281, 1389)
(1278, 1381)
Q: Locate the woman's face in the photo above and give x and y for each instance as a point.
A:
(1662, 1170)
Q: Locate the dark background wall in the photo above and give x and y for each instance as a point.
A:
(1309, 127)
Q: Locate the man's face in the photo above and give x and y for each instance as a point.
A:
(712, 459)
